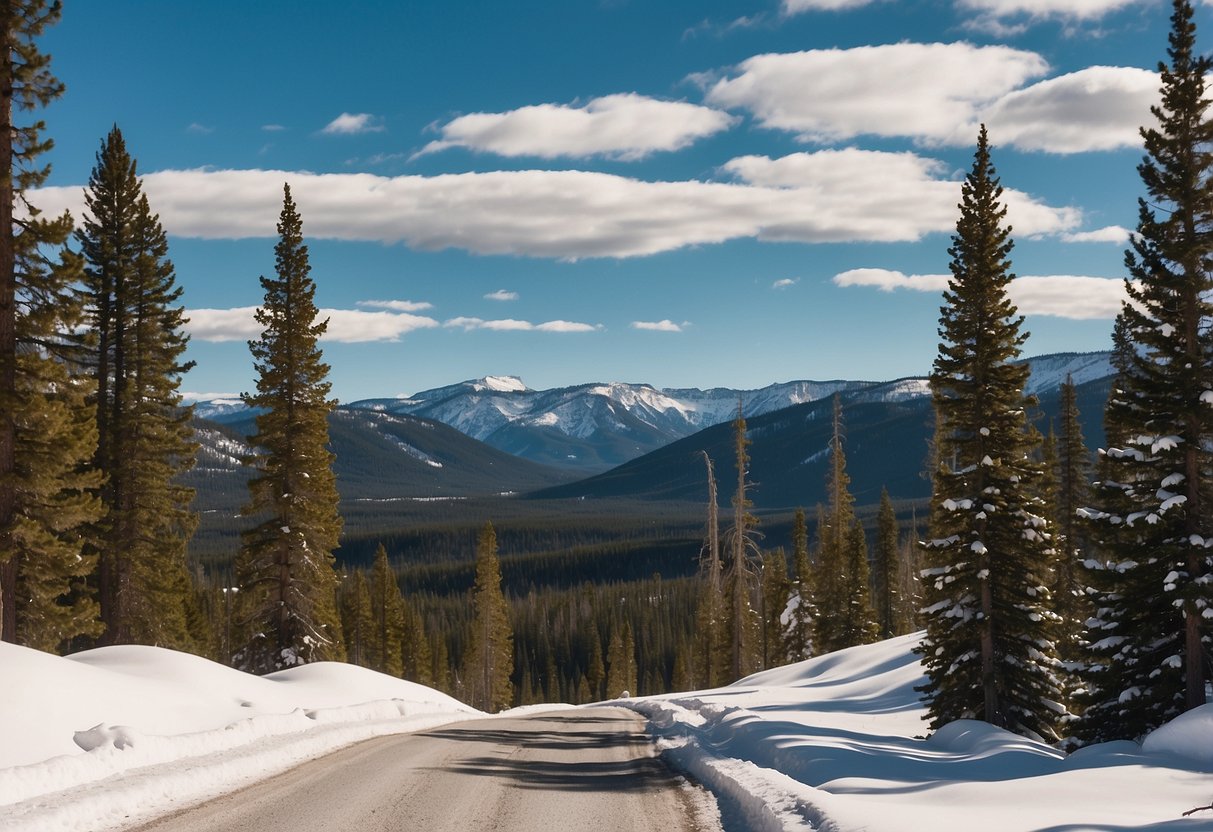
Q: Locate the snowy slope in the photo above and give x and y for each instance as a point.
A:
(92, 740)
(836, 743)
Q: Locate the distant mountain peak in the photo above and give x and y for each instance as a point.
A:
(500, 384)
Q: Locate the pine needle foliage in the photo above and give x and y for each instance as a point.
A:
(489, 661)
(1152, 508)
(144, 436)
(988, 651)
(285, 566)
(887, 587)
(47, 495)
(742, 620)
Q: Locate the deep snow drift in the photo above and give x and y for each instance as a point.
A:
(836, 743)
(106, 737)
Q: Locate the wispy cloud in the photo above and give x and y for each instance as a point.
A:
(350, 124)
(346, 326)
(513, 325)
(791, 7)
(502, 295)
(1077, 297)
(199, 129)
(826, 196)
(785, 282)
(626, 126)
(658, 326)
(1108, 234)
(273, 128)
(397, 305)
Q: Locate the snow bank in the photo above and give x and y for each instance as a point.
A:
(839, 743)
(85, 738)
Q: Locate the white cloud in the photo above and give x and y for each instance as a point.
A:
(273, 128)
(625, 126)
(397, 305)
(1097, 108)
(1107, 234)
(200, 129)
(1043, 9)
(502, 295)
(791, 7)
(828, 196)
(1077, 297)
(665, 325)
(512, 325)
(351, 124)
(785, 282)
(347, 326)
(928, 91)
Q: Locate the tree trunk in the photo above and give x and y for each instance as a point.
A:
(8, 341)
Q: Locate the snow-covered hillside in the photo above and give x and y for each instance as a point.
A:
(837, 743)
(100, 738)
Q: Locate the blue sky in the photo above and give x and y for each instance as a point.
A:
(681, 193)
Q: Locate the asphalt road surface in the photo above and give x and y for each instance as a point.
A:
(559, 771)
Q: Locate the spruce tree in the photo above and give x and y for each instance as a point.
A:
(387, 611)
(886, 577)
(416, 652)
(47, 497)
(799, 629)
(1152, 509)
(285, 566)
(144, 437)
(489, 661)
(987, 651)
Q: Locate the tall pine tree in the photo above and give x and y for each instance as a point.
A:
(47, 498)
(798, 633)
(285, 566)
(144, 437)
(1153, 512)
(987, 651)
(489, 661)
(744, 628)
(886, 581)
(387, 610)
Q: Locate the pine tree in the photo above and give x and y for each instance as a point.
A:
(358, 621)
(1073, 493)
(987, 653)
(711, 649)
(743, 625)
(844, 613)
(387, 611)
(776, 589)
(861, 626)
(47, 496)
(490, 655)
(144, 436)
(886, 581)
(416, 651)
(285, 565)
(799, 630)
(617, 669)
(1152, 510)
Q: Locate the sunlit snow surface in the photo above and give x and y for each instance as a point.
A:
(107, 736)
(836, 743)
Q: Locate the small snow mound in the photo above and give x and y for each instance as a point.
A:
(979, 739)
(1188, 736)
(102, 736)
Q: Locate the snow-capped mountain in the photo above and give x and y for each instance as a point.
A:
(597, 426)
